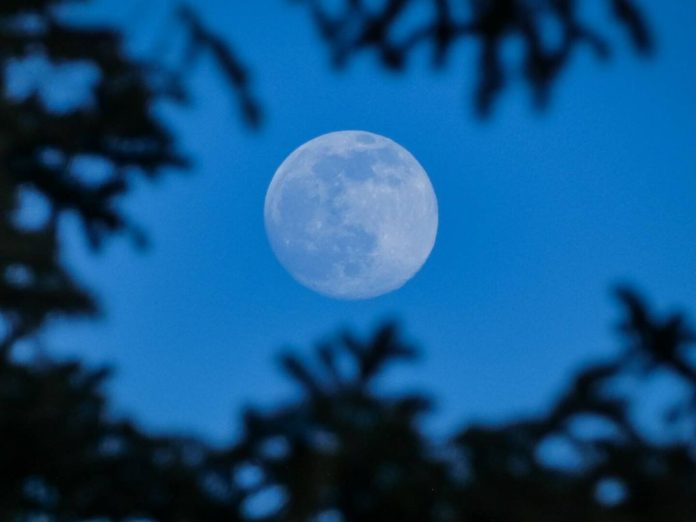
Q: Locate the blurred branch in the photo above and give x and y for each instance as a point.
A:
(82, 159)
(203, 39)
(348, 450)
(362, 25)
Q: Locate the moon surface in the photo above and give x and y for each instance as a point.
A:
(351, 215)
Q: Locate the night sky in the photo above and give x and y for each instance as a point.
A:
(540, 214)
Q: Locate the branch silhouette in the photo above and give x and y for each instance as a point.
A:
(344, 450)
(82, 159)
(347, 451)
(364, 26)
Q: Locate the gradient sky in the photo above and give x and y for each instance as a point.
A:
(539, 215)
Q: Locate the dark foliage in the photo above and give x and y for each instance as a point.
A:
(387, 27)
(79, 158)
(200, 40)
(62, 457)
(362, 455)
(346, 451)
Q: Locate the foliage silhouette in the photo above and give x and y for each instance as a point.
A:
(80, 159)
(63, 458)
(347, 451)
(361, 25)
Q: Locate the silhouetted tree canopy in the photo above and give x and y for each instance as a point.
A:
(549, 32)
(345, 450)
(82, 155)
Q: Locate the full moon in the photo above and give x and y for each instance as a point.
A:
(351, 215)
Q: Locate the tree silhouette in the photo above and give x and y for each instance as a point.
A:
(344, 450)
(64, 458)
(347, 451)
(364, 457)
(80, 158)
(362, 26)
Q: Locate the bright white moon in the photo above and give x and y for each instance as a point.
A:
(351, 215)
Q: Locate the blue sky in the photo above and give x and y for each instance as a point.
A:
(539, 215)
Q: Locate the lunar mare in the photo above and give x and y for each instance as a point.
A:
(351, 215)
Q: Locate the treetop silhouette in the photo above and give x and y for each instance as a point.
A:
(345, 449)
(548, 31)
(81, 160)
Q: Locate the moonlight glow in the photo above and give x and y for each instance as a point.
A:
(351, 215)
